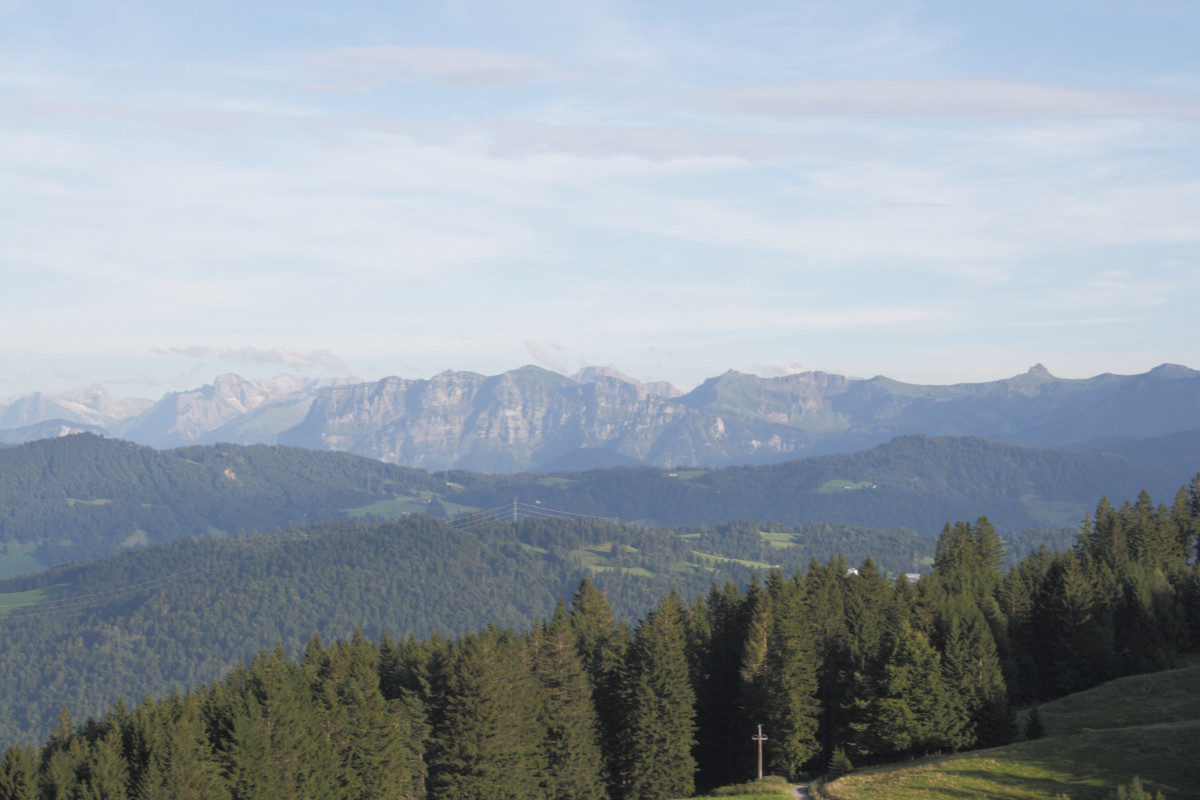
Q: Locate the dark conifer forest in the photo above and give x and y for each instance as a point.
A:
(833, 662)
(86, 497)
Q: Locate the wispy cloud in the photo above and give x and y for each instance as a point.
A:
(661, 143)
(366, 67)
(686, 187)
(285, 356)
(947, 98)
(554, 356)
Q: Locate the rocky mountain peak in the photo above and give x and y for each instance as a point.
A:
(656, 388)
(1039, 371)
(1173, 371)
(529, 417)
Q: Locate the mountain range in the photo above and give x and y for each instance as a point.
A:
(534, 419)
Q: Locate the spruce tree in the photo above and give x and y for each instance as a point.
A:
(825, 609)
(245, 752)
(603, 645)
(375, 741)
(180, 764)
(486, 743)
(871, 610)
(105, 776)
(660, 723)
(717, 660)
(302, 764)
(574, 762)
(754, 672)
(1072, 643)
(19, 774)
(1034, 728)
(971, 669)
(792, 711)
(1135, 790)
(912, 712)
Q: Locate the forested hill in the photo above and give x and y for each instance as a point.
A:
(179, 614)
(841, 669)
(916, 482)
(84, 496)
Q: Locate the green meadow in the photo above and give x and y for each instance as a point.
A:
(1146, 725)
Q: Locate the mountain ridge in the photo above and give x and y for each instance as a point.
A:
(531, 418)
(88, 496)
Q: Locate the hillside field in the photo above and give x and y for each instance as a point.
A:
(1146, 725)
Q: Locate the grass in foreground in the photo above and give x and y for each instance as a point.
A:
(766, 789)
(1146, 726)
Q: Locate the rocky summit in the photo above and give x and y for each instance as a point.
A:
(534, 419)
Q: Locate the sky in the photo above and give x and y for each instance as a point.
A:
(939, 191)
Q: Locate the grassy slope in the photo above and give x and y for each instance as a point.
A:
(1147, 725)
(770, 788)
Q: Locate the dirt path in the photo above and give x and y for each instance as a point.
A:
(800, 792)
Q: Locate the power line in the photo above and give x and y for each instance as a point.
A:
(516, 511)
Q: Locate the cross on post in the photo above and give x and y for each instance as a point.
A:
(760, 739)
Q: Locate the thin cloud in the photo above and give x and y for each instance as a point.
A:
(452, 66)
(658, 144)
(69, 111)
(948, 98)
(285, 356)
(553, 356)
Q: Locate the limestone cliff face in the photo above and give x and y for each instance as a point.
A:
(529, 418)
(186, 417)
(525, 419)
(514, 421)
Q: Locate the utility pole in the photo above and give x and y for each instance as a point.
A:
(514, 511)
(760, 739)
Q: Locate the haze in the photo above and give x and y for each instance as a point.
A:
(939, 192)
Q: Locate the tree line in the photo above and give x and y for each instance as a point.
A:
(841, 668)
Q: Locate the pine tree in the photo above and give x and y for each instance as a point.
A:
(871, 609)
(574, 762)
(825, 610)
(1072, 646)
(754, 672)
(301, 763)
(1017, 595)
(1135, 791)
(661, 713)
(106, 776)
(716, 662)
(955, 550)
(376, 741)
(971, 669)
(839, 763)
(792, 710)
(1106, 539)
(603, 645)
(1194, 502)
(912, 711)
(179, 762)
(19, 774)
(486, 743)
(245, 751)
(1182, 530)
(1034, 728)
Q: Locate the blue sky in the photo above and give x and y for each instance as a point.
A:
(936, 191)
